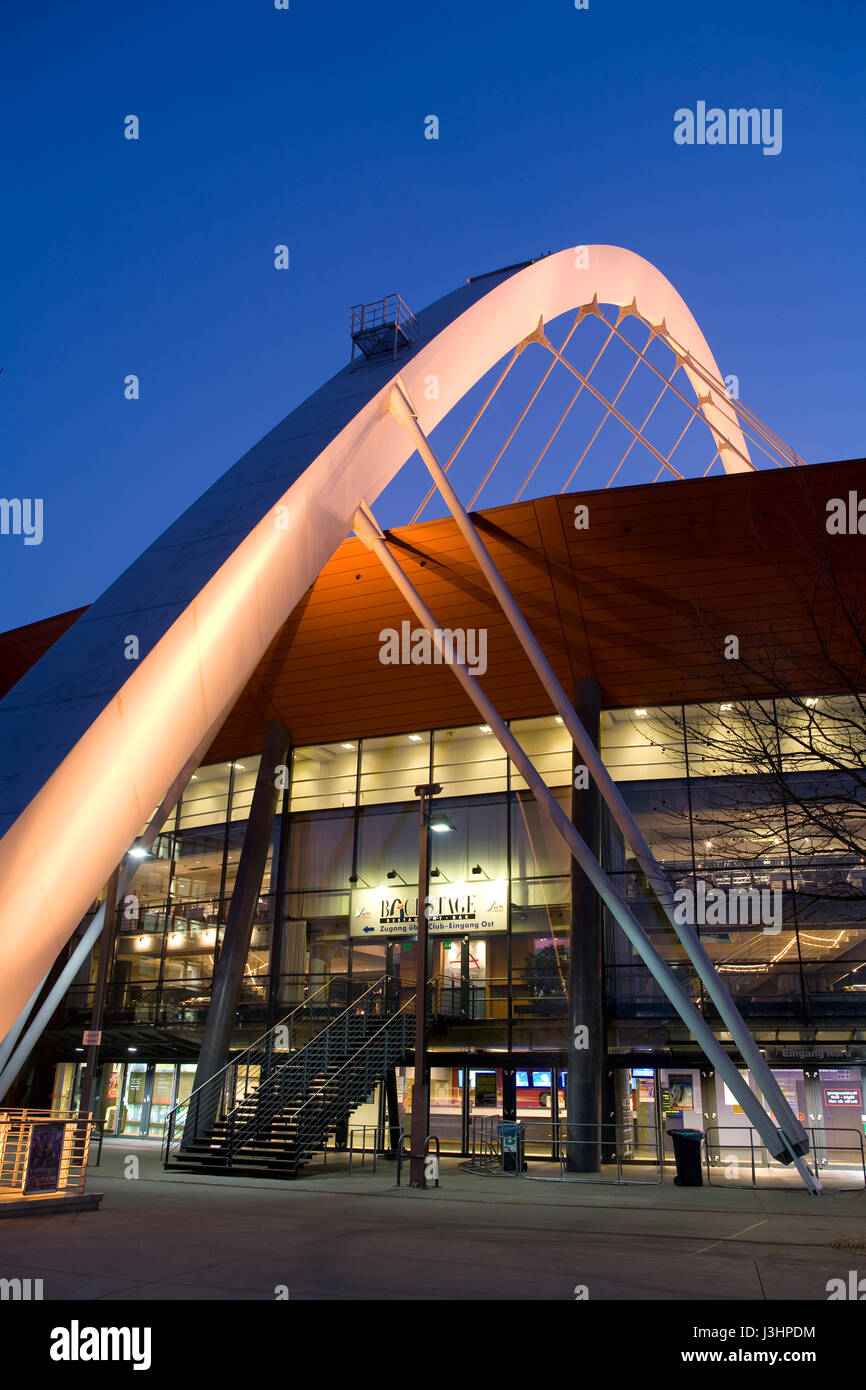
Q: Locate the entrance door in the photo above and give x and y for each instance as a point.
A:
(135, 1101)
(404, 956)
(161, 1097)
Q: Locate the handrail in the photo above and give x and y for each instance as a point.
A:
(818, 1140)
(255, 1046)
(430, 1138)
(234, 1140)
(235, 1137)
(376, 1131)
(214, 1085)
(369, 1041)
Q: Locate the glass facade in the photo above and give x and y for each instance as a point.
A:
(724, 807)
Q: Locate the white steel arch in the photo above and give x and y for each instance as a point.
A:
(86, 757)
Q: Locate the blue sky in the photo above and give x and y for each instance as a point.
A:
(306, 127)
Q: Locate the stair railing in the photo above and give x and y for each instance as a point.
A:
(340, 1093)
(191, 1117)
(348, 1086)
(293, 1079)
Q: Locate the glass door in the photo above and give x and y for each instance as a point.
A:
(161, 1098)
(135, 1100)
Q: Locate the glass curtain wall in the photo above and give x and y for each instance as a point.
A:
(747, 806)
(750, 809)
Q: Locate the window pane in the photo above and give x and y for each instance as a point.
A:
(323, 776)
(468, 761)
(548, 745)
(392, 767)
(643, 743)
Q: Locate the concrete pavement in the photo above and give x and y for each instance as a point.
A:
(331, 1236)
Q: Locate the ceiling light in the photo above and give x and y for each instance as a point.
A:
(559, 719)
(812, 700)
(641, 713)
(724, 708)
(139, 852)
(349, 747)
(414, 738)
(485, 728)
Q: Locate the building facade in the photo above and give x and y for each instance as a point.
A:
(765, 847)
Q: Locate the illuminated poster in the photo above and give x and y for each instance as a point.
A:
(44, 1157)
(680, 1093)
(455, 908)
(485, 1089)
(645, 1089)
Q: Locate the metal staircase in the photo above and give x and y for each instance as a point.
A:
(276, 1104)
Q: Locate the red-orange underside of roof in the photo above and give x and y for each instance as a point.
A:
(643, 599)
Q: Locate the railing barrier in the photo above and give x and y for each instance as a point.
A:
(401, 1154)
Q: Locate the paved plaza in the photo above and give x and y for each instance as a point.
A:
(334, 1236)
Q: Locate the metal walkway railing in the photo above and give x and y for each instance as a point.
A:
(246, 1072)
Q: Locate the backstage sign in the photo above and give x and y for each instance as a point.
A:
(456, 909)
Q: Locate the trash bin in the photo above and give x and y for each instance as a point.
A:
(511, 1146)
(687, 1156)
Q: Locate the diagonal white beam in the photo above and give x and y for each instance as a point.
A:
(403, 410)
(369, 532)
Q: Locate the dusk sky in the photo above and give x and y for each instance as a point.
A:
(261, 126)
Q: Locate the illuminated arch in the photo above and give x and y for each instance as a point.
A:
(89, 749)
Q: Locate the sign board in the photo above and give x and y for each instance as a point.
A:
(92, 1037)
(464, 908)
(843, 1095)
(485, 1089)
(44, 1157)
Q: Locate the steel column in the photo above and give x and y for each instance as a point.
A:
(586, 1038)
(229, 973)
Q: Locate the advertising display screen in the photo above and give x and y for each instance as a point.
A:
(522, 1078)
(541, 1078)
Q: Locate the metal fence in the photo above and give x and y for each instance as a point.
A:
(838, 1162)
(44, 1153)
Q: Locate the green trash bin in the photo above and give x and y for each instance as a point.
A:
(511, 1146)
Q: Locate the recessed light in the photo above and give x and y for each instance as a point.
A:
(559, 719)
(485, 728)
(414, 738)
(641, 713)
(350, 747)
